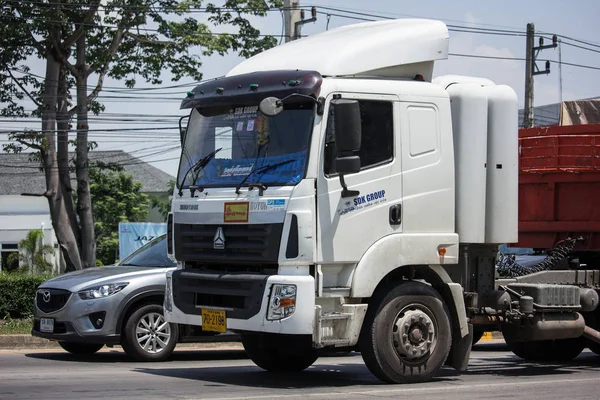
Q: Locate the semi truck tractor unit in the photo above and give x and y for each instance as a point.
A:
(332, 195)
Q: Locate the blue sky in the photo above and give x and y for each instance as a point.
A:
(574, 19)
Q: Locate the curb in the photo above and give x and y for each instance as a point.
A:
(19, 342)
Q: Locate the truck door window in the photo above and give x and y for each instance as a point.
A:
(377, 136)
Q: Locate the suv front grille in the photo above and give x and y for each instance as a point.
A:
(243, 244)
(51, 300)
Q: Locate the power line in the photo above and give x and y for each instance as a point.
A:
(580, 47)
(413, 16)
(520, 59)
(140, 8)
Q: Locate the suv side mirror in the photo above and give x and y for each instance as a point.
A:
(347, 135)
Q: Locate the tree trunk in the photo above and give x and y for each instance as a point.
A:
(84, 202)
(63, 153)
(58, 212)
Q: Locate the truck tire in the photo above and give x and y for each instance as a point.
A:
(145, 335)
(406, 336)
(81, 349)
(279, 354)
(547, 350)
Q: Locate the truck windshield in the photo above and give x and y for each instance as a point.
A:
(247, 140)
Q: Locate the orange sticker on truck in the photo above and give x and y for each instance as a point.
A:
(236, 212)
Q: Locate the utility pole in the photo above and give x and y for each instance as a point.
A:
(528, 112)
(291, 15)
(531, 69)
(293, 18)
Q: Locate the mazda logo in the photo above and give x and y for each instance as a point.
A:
(46, 296)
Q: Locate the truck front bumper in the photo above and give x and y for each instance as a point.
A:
(185, 294)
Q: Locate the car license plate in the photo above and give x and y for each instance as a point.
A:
(47, 325)
(214, 320)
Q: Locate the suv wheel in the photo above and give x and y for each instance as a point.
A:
(147, 336)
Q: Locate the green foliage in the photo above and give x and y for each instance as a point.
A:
(116, 198)
(16, 326)
(161, 204)
(33, 252)
(17, 294)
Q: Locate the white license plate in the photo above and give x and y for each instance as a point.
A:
(47, 325)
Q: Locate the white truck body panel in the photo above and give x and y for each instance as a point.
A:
(502, 219)
(395, 48)
(469, 126)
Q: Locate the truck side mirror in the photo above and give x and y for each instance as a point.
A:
(182, 129)
(346, 114)
(347, 126)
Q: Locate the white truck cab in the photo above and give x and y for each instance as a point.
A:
(331, 194)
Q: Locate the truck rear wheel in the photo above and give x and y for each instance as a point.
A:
(278, 353)
(547, 350)
(406, 336)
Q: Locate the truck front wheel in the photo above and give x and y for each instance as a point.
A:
(279, 353)
(406, 336)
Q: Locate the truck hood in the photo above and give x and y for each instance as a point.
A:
(78, 280)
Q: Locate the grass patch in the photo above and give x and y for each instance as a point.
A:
(16, 326)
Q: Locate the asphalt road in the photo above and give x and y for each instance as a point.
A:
(228, 375)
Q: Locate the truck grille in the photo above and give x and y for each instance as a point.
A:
(51, 300)
(243, 244)
(240, 294)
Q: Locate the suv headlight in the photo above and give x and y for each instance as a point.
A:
(99, 292)
(282, 303)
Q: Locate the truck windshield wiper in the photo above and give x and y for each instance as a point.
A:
(264, 168)
(197, 167)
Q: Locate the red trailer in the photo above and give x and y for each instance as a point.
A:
(559, 187)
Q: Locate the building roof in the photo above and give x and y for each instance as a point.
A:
(549, 114)
(19, 174)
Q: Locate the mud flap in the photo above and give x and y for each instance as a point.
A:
(461, 349)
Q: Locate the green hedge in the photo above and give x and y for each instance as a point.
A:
(17, 294)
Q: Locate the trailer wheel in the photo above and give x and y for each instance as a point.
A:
(559, 350)
(279, 354)
(406, 337)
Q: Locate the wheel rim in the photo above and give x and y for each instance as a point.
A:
(153, 333)
(414, 333)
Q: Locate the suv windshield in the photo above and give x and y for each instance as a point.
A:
(246, 140)
(152, 254)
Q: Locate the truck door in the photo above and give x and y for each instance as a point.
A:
(347, 227)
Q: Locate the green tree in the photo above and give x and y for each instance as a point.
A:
(163, 204)
(82, 40)
(33, 252)
(116, 197)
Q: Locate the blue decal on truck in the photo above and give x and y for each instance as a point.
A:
(361, 202)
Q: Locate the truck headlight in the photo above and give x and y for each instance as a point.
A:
(168, 290)
(99, 292)
(282, 303)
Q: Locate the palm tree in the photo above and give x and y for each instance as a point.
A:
(33, 252)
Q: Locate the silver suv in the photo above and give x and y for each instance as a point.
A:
(120, 304)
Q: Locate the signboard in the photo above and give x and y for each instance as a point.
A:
(133, 235)
(236, 212)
